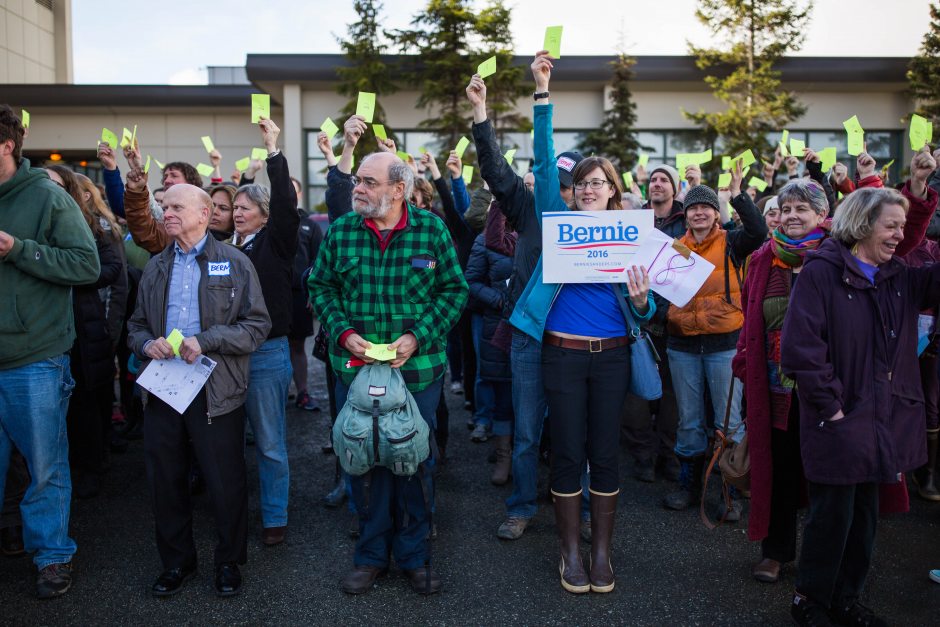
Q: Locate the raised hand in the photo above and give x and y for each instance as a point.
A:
(638, 286)
(922, 166)
(865, 164)
(215, 158)
(386, 145)
(693, 174)
(737, 175)
(324, 144)
(353, 129)
(269, 134)
(542, 70)
(136, 180)
(106, 156)
(454, 165)
(431, 164)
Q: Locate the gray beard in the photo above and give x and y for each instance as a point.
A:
(371, 211)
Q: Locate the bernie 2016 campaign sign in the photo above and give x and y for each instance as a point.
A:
(591, 246)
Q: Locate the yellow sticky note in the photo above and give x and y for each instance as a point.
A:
(24, 118)
(260, 107)
(747, 159)
(487, 68)
(827, 158)
(207, 142)
(242, 164)
(379, 131)
(147, 165)
(796, 147)
(259, 154)
(108, 137)
(724, 180)
(726, 163)
(329, 127)
(205, 170)
(467, 174)
(856, 143)
(759, 183)
(365, 106)
(628, 181)
(125, 138)
(159, 165)
(381, 352)
(553, 41)
(921, 132)
(510, 155)
(175, 339)
(643, 159)
(462, 147)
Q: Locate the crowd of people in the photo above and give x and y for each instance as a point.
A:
(833, 379)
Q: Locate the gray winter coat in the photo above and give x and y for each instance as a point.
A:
(232, 312)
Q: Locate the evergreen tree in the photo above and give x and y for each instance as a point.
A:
(923, 73)
(440, 42)
(366, 71)
(753, 36)
(615, 137)
(503, 89)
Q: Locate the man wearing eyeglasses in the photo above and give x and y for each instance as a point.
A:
(45, 248)
(388, 274)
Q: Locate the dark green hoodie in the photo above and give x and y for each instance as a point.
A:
(53, 249)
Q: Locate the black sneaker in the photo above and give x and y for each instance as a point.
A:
(857, 614)
(805, 612)
(54, 580)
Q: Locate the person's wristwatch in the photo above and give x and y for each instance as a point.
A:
(540, 95)
(276, 151)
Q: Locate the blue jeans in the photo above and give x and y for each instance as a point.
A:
(33, 402)
(483, 393)
(691, 372)
(528, 404)
(396, 517)
(269, 379)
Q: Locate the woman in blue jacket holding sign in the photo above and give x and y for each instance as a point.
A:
(586, 334)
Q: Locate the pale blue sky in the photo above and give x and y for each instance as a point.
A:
(172, 41)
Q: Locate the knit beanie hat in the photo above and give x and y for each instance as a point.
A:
(700, 195)
(670, 172)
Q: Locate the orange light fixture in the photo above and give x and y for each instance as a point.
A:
(83, 163)
(55, 157)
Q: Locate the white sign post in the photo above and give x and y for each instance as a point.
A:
(592, 246)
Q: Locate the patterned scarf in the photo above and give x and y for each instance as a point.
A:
(789, 253)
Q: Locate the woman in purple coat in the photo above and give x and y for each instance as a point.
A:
(850, 343)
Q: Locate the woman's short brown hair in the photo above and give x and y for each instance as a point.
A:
(587, 165)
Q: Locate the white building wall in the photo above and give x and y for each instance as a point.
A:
(27, 42)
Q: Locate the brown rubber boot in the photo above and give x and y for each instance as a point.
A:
(568, 522)
(603, 509)
(503, 460)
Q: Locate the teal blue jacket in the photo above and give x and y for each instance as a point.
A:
(537, 298)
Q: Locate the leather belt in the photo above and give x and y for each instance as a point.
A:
(592, 346)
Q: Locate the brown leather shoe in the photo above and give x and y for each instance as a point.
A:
(360, 579)
(424, 581)
(766, 571)
(272, 536)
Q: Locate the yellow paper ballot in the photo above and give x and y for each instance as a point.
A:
(628, 181)
(260, 107)
(796, 147)
(404, 156)
(785, 137)
(175, 339)
(242, 164)
(510, 155)
(724, 180)
(134, 137)
(24, 118)
(125, 138)
(259, 154)
(759, 183)
(381, 352)
(159, 165)
(827, 158)
(207, 142)
(487, 68)
(379, 131)
(462, 147)
(726, 163)
(205, 170)
(467, 174)
(852, 125)
(692, 158)
(747, 159)
(885, 167)
(856, 143)
(783, 149)
(643, 159)
(921, 132)
(108, 137)
(329, 127)
(553, 41)
(365, 106)
(147, 165)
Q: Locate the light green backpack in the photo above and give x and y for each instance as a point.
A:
(380, 425)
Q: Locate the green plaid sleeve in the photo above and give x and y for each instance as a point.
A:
(325, 289)
(449, 299)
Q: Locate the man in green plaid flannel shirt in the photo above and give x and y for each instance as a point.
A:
(388, 273)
